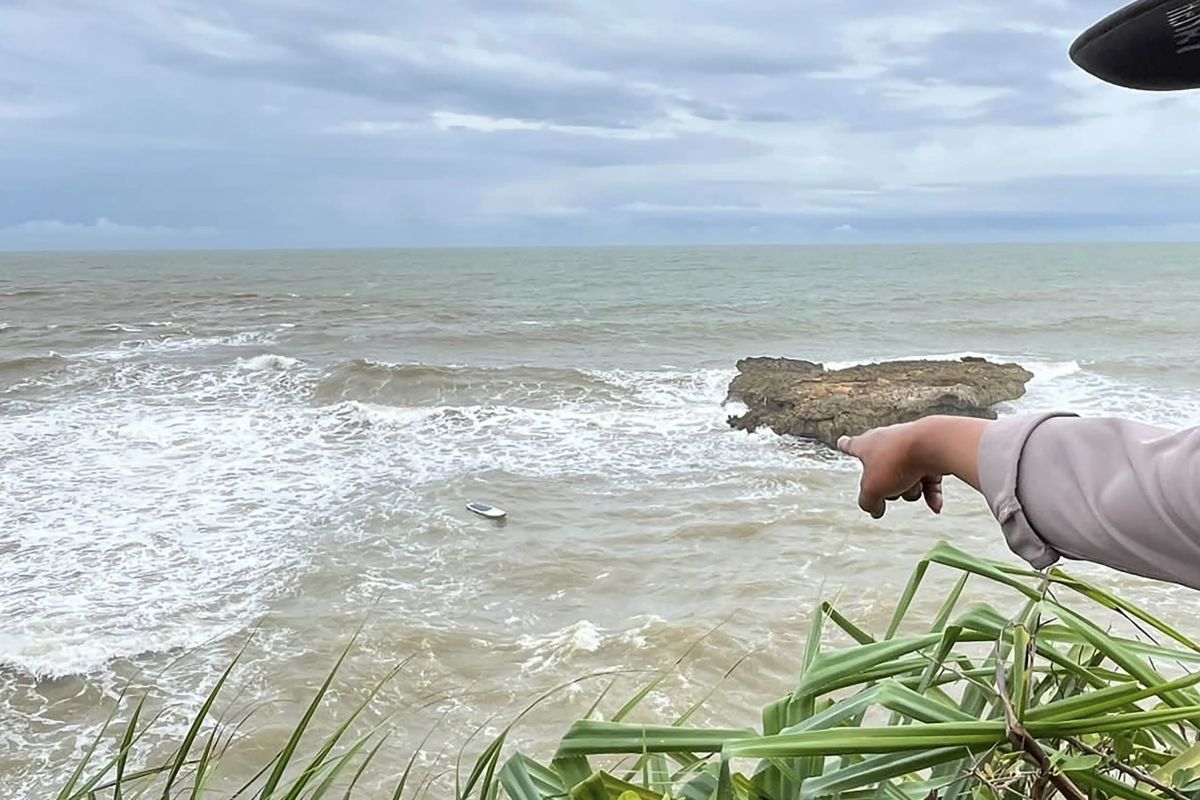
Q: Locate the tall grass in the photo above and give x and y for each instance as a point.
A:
(969, 705)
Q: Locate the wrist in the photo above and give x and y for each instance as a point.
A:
(948, 445)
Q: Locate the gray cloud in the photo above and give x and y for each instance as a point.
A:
(267, 122)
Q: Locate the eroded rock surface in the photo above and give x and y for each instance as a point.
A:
(802, 398)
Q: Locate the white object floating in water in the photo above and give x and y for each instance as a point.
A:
(484, 510)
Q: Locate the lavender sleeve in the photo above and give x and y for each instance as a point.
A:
(1109, 491)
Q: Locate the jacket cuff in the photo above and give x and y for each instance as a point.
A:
(999, 474)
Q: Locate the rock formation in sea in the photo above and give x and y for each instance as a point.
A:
(804, 399)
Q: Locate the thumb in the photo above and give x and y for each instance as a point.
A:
(848, 445)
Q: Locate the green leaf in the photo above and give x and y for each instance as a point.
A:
(947, 555)
(519, 781)
(1110, 601)
(607, 738)
(1085, 763)
(872, 771)
(194, 729)
(362, 768)
(1110, 788)
(906, 599)
(702, 787)
(69, 790)
(319, 759)
(289, 749)
(1020, 665)
(126, 747)
(861, 741)
(1187, 760)
(603, 786)
(331, 769)
(832, 670)
(571, 769)
(856, 633)
(951, 601)
(658, 775)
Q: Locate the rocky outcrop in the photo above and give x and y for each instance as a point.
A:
(801, 398)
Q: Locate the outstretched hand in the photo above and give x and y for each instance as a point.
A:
(909, 461)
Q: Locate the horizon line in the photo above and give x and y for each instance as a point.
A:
(598, 246)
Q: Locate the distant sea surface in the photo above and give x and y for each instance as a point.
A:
(197, 447)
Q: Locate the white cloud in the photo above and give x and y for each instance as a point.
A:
(373, 127)
(480, 123)
(446, 120)
(792, 209)
(481, 115)
(16, 111)
(102, 232)
(223, 40)
(954, 101)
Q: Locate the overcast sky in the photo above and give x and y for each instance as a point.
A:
(299, 123)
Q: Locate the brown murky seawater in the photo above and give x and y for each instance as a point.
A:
(202, 452)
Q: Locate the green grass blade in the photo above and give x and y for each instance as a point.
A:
(947, 609)
(603, 786)
(523, 779)
(487, 787)
(702, 787)
(1109, 788)
(606, 738)
(331, 742)
(812, 646)
(1111, 601)
(130, 778)
(483, 765)
(873, 771)
(833, 670)
(518, 783)
(591, 712)
(362, 768)
(571, 769)
(1188, 759)
(289, 749)
(637, 699)
(949, 556)
(835, 715)
(1102, 701)
(910, 592)
(69, 790)
(837, 618)
(263, 770)
(862, 741)
(658, 777)
(339, 765)
(203, 764)
(916, 706)
(1020, 670)
(194, 729)
(412, 759)
(95, 784)
(126, 746)
(951, 635)
(1127, 660)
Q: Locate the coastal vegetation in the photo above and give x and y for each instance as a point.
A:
(1078, 694)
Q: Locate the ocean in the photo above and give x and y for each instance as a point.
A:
(208, 451)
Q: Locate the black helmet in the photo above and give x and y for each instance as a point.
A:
(1149, 44)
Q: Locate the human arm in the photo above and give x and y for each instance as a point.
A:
(1104, 490)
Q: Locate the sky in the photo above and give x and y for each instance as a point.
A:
(298, 123)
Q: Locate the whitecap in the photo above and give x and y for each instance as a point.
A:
(268, 361)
